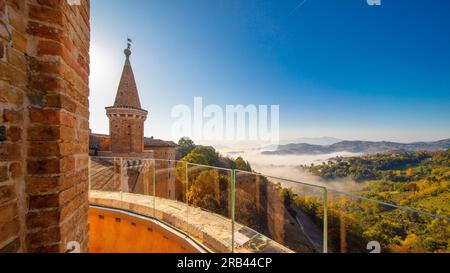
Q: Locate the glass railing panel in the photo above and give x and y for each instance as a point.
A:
(170, 191)
(137, 176)
(105, 174)
(270, 210)
(271, 214)
(359, 225)
(210, 206)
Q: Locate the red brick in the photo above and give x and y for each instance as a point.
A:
(42, 219)
(61, 101)
(12, 116)
(44, 116)
(52, 117)
(4, 33)
(9, 230)
(44, 149)
(55, 200)
(12, 247)
(10, 152)
(43, 133)
(68, 119)
(48, 67)
(51, 33)
(68, 149)
(50, 185)
(2, 49)
(52, 48)
(7, 193)
(83, 124)
(16, 170)
(67, 163)
(44, 31)
(48, 78)
(14, 134)
(73, 206)
(46, 83)
(43, 237)
(55, 248)
(19, 41)
(17, 5)
(44, 201)
(8, 213)
(82, 161)
(50, 166)
(2, 7)
(67, 133)
(46, 14)
(3, 173)
(17, 60)
(8, 94)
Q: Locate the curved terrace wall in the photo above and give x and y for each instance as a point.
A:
(114, 231)
(211, 230)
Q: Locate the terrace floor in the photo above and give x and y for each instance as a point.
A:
(211, 230)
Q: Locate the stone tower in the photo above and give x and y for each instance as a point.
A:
(126, 117)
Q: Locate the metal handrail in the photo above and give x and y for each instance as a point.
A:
(390, 205)
(287, 180)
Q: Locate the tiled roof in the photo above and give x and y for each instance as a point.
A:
(151, 142)
(95, 141)
(127, 93)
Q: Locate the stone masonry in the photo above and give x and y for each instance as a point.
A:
(44, 109)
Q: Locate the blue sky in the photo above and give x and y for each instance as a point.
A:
(336, 68)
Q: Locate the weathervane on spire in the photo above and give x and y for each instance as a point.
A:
(129, 42)
(128, 50)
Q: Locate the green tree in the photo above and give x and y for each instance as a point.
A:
(212, 157)
(204, 191)
(241, 164)
(185, 146)
(203, 155)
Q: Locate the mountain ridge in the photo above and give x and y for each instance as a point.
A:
(326, 140)
(365, 147)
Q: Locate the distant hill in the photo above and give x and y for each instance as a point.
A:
(314, 140)
(365, 147)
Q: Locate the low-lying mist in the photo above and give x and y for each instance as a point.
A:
(290, 166)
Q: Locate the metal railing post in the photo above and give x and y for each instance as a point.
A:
(325, 220)
(233, 208)
(121, 178)
(154, 187)
(115, 172)
(89, 176)
(186, 194)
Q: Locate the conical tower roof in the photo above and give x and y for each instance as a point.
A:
(127, 93)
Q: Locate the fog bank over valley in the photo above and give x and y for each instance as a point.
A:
(290, 166)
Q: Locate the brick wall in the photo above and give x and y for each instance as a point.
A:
(44, 69)
(126, 128)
